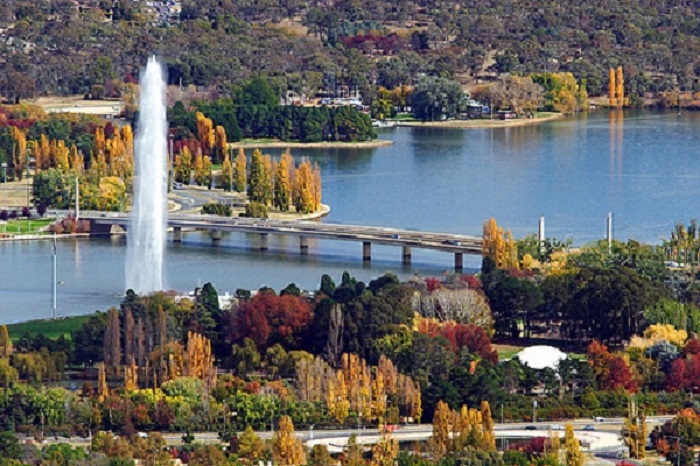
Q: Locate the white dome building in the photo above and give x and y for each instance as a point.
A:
(540, 357)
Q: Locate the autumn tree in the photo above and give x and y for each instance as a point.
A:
(5, 343)
(221, 145)
(620, 89)
(385, 451)
(205, 133)
(612, 88)
(282, 186)
(112, 344)
(489, 438)
(440, 441)
(286, 449)
(574, 456)
(239, 172)
(227, 173)
(199, 174)
(354, 454)
(250, 446)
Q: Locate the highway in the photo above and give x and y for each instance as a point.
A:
(605, 438)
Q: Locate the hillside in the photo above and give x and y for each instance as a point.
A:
(67, 47)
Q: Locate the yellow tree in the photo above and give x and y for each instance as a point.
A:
(19, 150)
(206, 170)
(318, 191)
(220, 143)
(131, 375)
(227, 173)
(489, 439)
(128, 137)
(303, 185)
(379, 397)
(286, 449)
(574, 456)
(5, 343)
(239, 172)
(282, 186)
(45, 152)
(267, 180)
(199, 169)
(511, 251)
(205, 133)
(612, 88)
(76, 161)
(102, 389)
(620, 91)
(184, 169)
(440, 441)
(385, 451)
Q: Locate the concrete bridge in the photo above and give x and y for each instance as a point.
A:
(367, 235)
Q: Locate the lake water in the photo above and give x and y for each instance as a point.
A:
(642, 166)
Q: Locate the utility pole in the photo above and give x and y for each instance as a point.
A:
(77, 199)
(54, 281)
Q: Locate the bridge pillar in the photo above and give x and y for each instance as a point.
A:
(406, 254)
(366, 251)
(262, 246)
(459, 261)
(303, 245)
(177, 234)
(215, 236)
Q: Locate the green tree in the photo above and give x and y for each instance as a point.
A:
(437, 99)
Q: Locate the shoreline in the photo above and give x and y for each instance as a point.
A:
(311, 145)
(479, 124)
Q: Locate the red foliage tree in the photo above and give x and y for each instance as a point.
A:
(676, 377)
(472, 282)
(692, 347)
(692, 374)
(268, 319)
(619, 375)
(432, 283)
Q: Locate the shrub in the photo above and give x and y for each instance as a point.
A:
(25, 212)
(217, 209)
(13, 214)
(3, 215)
(41, 209)
(255, 210)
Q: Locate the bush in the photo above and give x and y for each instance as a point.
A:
(13, 214)
(255, 210)
(3, 215)
(41, 209)
(217, 209)
(25, 212)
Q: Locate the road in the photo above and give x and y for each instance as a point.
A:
(605, 439)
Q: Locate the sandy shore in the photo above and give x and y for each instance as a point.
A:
(484, 123)
(310, 145)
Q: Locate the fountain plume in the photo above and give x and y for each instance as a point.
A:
(147, 228)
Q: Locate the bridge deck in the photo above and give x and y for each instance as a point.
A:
(446, 242)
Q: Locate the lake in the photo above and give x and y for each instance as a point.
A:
(642, 166)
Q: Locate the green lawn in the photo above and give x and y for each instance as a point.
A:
(507, 351)
(50, 328)
(25, 226)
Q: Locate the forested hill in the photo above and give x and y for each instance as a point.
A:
(67, 46)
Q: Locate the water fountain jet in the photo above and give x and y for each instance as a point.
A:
(147, 229)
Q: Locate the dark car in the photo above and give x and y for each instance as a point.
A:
(530, 427)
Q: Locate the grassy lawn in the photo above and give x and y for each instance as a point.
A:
(25, 226)
(50, 328)
(507, 351)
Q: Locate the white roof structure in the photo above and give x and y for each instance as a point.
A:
(539, 357)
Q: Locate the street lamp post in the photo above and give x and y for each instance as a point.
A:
(171, 152)
(54, 282)
(4, 179)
